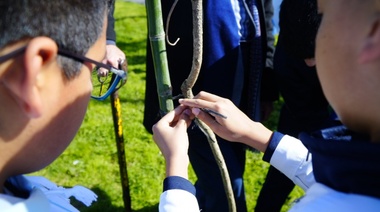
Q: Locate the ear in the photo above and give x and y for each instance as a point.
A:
(26, 83)
(371, 47)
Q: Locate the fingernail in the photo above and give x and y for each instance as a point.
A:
(195, 111)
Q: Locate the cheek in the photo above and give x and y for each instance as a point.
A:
(81, 86)
(64, 128)
(57, 133)
(70, 117)
(320, 54)
(331, 70)
(65, 108)
(325, 61)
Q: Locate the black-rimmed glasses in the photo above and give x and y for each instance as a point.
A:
(105, 78)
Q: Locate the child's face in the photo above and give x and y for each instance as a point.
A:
(345, 27)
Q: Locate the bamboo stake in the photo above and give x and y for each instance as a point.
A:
(157, 41)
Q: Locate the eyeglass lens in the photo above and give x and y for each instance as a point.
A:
(102, 80)
(105, 82)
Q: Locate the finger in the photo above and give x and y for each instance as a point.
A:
(112, 60)
(124, 65)
(199, 103)
(205, 117)
(164, 122)
(168, 118)
(114, 55)
(172, 117)
(180, 109)
(208, 96)
(102, 72)
(185, 119)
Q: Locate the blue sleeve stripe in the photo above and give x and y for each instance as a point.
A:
(176, 182)
(274, 141)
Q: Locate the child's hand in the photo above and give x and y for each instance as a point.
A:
(232, 124)
(231, 127)
(170, 135)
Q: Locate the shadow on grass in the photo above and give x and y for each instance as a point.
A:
(104, 204)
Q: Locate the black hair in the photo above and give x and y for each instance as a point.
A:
(299, 23)
(75, 25)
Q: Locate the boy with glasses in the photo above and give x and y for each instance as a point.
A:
(48, 50)
(338, 167)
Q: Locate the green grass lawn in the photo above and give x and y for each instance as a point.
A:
(91, 160)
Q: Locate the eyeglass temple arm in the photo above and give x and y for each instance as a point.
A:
(12, 54)
(80, 58)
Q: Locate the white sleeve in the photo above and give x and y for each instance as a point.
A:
(175, 200)
(322, 198)
(292, 158)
